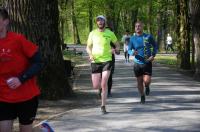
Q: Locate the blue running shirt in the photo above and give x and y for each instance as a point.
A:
(145, 45)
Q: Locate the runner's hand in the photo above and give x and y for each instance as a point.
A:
(91, 58)
(151, 58)
(115, 51)
(13, 82)
(135, 52)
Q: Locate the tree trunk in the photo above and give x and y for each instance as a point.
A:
(149, 23)
(38, 20)
(75, 28)
(195, 18)
(183, 56)
(90, 10)
(134, 15)
(110, 14)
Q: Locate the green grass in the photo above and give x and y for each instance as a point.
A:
(169, 60)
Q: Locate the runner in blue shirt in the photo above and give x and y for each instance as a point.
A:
(143, 47)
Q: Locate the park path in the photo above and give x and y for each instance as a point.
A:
(173, 104)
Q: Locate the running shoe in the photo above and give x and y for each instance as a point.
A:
(45, 126)
(103, 110)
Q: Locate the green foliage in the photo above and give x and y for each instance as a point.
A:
(125, 7)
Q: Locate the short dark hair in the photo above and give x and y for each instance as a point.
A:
(4, 13)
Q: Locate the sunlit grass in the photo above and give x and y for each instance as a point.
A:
(169, 60)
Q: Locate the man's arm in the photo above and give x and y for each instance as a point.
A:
(34, 69)
(89, 47)
(36, 66)
(131, 49)
(155, 48)
(89, 51)
(117, 48)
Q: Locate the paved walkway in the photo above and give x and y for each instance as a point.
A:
(173, 104)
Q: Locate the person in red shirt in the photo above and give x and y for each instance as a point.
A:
(20, 61)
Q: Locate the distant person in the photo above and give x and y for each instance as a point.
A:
(125, 41)
(143, 47)
(169, 43)
(20, 62)
(100, 55)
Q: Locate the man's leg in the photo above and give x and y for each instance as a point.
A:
(26, 112)
(172, 48)
(125, 55)
(26, 128)
(167, 47)
(147, 82)
(109, 84)
(140, 85)
(96, 79)
(6, 126)
(104, 81)
(128, 56)
(141, 88)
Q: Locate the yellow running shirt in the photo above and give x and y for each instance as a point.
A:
(100, 42)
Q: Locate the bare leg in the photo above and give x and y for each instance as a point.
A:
(26, 128)
(104, 81)
(147, 80)
(96, 79)
(141, 88)
(140, 85)
(6, 126)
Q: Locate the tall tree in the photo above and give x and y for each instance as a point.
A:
(149, 23)
(195, 21)
(74, 24)
(90, 15)
(183, 57)
(39, 21)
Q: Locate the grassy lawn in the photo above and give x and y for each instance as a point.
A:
(169, 60)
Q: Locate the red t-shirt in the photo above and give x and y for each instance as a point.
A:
(15, 52)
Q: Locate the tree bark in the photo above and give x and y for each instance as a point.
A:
(183, 57)
(90, 14)
(38, 20)
(195, 18)
(75, 28)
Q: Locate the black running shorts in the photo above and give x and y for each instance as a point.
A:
(143, 69)
(25, 111)
(100, 67)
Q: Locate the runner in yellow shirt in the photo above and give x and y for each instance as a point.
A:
(100, 55)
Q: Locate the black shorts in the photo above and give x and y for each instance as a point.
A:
(100, 67)
(142, 69)
(25, 111)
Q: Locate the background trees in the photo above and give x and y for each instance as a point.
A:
(53, 23)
